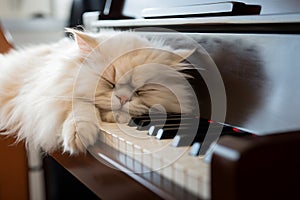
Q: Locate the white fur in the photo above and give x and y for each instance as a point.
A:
(51, 96)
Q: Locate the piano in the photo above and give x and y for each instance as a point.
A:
(246, 70)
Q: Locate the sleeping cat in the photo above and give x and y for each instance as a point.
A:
(57, 95)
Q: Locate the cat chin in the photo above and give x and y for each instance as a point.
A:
(122, 117)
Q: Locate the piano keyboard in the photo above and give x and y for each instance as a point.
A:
(159, 151)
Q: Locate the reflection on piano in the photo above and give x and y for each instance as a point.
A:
(258, 59)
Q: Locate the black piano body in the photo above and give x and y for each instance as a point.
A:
(257, 57)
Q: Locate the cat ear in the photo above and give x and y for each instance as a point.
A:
(85, 42)
(180, 55)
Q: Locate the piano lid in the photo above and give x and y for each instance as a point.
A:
(134, 8)
(202, 9)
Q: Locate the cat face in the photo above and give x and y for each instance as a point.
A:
(135, 75)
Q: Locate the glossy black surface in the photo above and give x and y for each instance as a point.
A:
(186, 131)
(260, 73)
(261, 78)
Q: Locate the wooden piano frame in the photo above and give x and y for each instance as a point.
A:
(14, 166)
(276, 177)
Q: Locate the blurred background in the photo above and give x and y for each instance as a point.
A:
(34, 21)
(30, 22)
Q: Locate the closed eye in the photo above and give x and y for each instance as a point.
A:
(109, 82)
(141, 91)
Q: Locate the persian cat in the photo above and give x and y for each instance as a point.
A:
(57, 95)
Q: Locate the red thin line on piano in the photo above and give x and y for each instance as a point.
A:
(236, 130)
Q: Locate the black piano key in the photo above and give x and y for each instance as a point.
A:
(202, 131)
(188, 138)
(185, 132)
(197, 142)
(182, 140)
(143, 128)
(226, 130)
(147, 123)
(169, 133)
(185, 135)
(135, 121)
(158, 126)
(154, 128)
(172, 120)
(169, 120)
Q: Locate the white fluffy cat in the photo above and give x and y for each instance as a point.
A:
(57, 95)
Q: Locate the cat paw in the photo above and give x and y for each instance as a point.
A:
(122, 117)
(78, 136)
(115, 116)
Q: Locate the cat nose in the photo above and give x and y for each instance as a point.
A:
(123, 99)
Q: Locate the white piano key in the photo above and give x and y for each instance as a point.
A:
(122, 145)
(115, 140)
(129, 148)
(156, 168)
(147, 163)
(167, 170)
(138, 168)
(130, 155)
(109, 139)
(179, 176)
(174, 163)
(196, 170)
